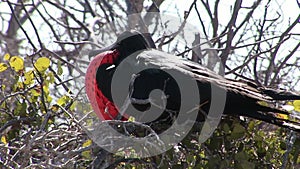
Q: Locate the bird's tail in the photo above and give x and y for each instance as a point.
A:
(279, 117)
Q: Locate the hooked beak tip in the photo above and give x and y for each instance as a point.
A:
(93, 53)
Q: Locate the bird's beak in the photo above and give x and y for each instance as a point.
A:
(98, 51)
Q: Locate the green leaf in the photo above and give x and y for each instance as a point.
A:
(50, 77)
(238, 128)
(215, 143)
(59, 68)
(226, 128)
(283, 145)
(238, 131)
(247, 165)
(251, 125)
(21, 109)
(73, 106)
(241, 156)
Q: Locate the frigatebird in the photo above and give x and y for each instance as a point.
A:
(133, 50)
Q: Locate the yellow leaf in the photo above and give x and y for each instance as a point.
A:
(20, 86)
(263, 103)
(3, 140)
(86, 154)
(16, 63)
(87, 143)
(35, 92)
(46, 89)
(63, 100)
(28, 77)
(3, 87)
(3, 67)
(60, 101)
(131, 118)
(7, 56)
(283, 116)
(42, 64)
(296, 104)
(54, 108)
(49, 99)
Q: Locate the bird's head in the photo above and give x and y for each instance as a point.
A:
(100, 72)
(127, 43)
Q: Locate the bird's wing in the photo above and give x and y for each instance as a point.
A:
(238, 91)
(167, 61)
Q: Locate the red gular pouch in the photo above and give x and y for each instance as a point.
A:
(99, 92)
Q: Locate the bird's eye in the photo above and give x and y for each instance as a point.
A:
(110, 67)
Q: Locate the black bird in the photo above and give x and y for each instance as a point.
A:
(160, 70)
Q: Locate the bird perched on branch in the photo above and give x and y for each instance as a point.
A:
(162, 71)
